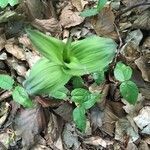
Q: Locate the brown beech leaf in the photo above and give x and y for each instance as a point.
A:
(29, 123)
(50, 25)
(104, 23)
(2, 41)
(79, 4)
(96, 141)
(69, 18)
(142, 64)
(14, 49)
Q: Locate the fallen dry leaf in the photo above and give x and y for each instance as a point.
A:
(126, 130)
(79, 4)
(2, 41)
(142, 21)
(143, 120)
(67, 114)
(96, 141)
(143, 65)
(69, 18)
(135, 36)
(50, 25)
(29, 124)
(103, 24)
(70, 137)
(96, 116)
(14, 49)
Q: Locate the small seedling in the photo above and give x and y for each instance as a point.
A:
(4, 3)
(128, 88)
(84, 100)
(94, 11)
(19, 94)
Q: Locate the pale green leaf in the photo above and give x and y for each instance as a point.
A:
(101, 4)
(99, 77)
(49, 47)
(89, 12)
(79, 95)
(92, 99)
(90, 55)
(60, 93)
(79, 118)
(4, 3)
(77, 82)
(6, 82)
(20, 96)
(13, 2)
(122, 72)
(129, 91)
(45, 77)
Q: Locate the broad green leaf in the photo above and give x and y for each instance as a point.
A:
(45, 77)
(79, 118)
(77, 82)
(4, 3)
(60, 93)
(101, 4)
(80, 95)
(99, 77)
(129, 91)
(122, 72)
(49, 47)
(93, 98)
(20, 96)
(13, 2)
(89, 12)
(90, 55)
(6, 82)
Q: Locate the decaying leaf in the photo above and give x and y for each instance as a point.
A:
(143, 21)
(69, 18)
(79, 4)
(96, 141)
(125, 129)
(29, 124)
(70, 137)
(135, 36)
(130, 51)
(50, 25)
(144, 67)
(2, 41)
(104, 23)
(14, 49)
(4, 141)
(143, 120)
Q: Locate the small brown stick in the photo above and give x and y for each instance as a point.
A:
(132, 7)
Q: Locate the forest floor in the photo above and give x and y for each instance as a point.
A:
(111, 125)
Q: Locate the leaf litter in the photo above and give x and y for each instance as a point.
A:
(112, 123)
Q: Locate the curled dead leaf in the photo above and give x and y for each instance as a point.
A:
(69, 18)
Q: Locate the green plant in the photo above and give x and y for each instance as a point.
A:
(63, 61)
(94, 11)
(84, 100)
(4, 3)
(128, 89)
(19, 94)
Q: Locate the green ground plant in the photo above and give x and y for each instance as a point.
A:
(68, 62)
(4, 3)
(19, 94)
(94, 11)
